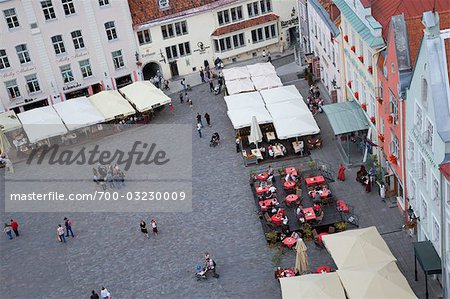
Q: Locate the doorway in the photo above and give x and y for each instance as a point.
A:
(96, 88)
(123, 81)
(174, 69)
(293, 36)
(150, 70)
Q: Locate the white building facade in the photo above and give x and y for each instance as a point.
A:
(233, 30)
(51, 51)
(325, 42)
(428, 137)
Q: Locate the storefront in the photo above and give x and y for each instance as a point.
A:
(84, 91)
(29, 104)
(123, 81)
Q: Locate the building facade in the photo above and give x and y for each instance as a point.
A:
(428, 133)
(51, 51)
(324, 38)
(173, 38)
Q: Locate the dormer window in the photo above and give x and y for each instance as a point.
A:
(163, 4)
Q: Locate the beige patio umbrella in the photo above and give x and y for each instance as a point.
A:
(380, 281)
(4, 143)
(301, 261)
(312, 286)
(255, 132)
(358, 248)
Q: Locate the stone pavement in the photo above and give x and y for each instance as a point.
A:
(110, 250)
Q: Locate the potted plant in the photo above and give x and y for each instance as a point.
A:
(361, 58)
(369, 69)
(353, 48)
(363, 105)
(381, 137)
(380, 100)
(312, 164)
(390, 119)
(372, 120)
(393, 159)
(356, 95)
(349, 84)
(346, 38)
(307, 232)
(340, 226)
(271, 238)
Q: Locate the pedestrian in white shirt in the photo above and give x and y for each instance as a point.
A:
(105, 293)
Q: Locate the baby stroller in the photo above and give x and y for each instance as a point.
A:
(201, 273)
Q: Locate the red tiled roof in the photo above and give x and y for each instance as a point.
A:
(366, 3)
(383, 10)
(245, 24)
(333, 11)
(143, 11)
(445, 170)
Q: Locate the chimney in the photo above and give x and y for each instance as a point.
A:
(430, 21)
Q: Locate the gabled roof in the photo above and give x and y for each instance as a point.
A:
(245, 24)
(445, 170)
(329, 14)
(359, 26)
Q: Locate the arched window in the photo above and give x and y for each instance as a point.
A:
(424, 94)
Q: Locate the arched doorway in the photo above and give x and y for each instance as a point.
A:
(150, 70)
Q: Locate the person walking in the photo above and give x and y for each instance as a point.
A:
(191, 105)
(202, 75)
(199, 129)
(208, 119)
(183, 83)
(199, 119)
(68, 225)
(154, 227)
(220, 84)
(211, 266)
(15, 227)
(143, 226)
(105, 293)
(238, 144)
(211, 85)
(264, 53)
(60, 233)
(269, 57)
(7, 230)
(181, 98)
(94, 295)
(171, 108)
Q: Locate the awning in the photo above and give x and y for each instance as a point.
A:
(78, 113)
(281, 94)
(144, 95)
(241, 118)
(295, 127)
(261, 69)
(288, 109)
(238, 86)
(312, 286)
(41, 123)
(9, 121)
(266, 81)
(429, 260)
(346, 117)
(244, 100)
(235, 73)
(111, 104)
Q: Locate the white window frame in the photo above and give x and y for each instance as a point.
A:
(85, 68)
(48, 10)
(424, 210)
(102, 3)
(428, 132)
(13, 89)
(436, 230)
(411, 149)
(32, 84)
(144, 37)
(394, 145)
(418, 117)
(117, 57)
(423, 169)
(435, 187)
(4, 61)
(23, 54)
(77, 39)
(58, 44)
(393, 107)
(267, 32)
(68, 7)
(111, 31)
(66, 73)
(12, 21)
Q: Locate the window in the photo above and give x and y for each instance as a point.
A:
(144, 37)
(424, 95)
(447, 189)
(394, 145)
(423, 169)
(32, 83)
(435, 188)
(163, 4)
(110, 28)
(412, 191)
(223, 17)
(411, 149)
(13, 89)
(369, 59)
(48, 10)
(184, 49)
(117, 59)
(23, 54)
(269, 32)
(77, 39)
(58, 44)
(85, 67)
(168, 31)
(266, 6)
(11, 18)
(253, 9)
(236, 14)
(361, 48)
(436, 230)
(103, 2)
(179, 50)
(69, 8)
(418, 118)
(428, 134)
(66, 73)
(229, 15)
(393, 103)
(424, 212)
(4, 62)
(238, 40)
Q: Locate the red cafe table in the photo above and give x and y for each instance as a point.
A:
(291, 198)
(315, 180)
(268, 203)
(309, 214)
(277, 219)
(261, 190)
(291, 170)
(323, 194)
(319, 237)
(289, 185)
(342, 206)
(323, 269)
(289, 242)
(262, 176)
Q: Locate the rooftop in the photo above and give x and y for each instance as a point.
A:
(245, 24)
(445, 170)
(329, 13)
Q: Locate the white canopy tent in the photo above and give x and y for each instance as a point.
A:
(261, 69)
(111, 104)
(235, 73)
(9, 121)
(41, 123)
(241, 118)
(281, 94)
(144, 95)
(78, 113)
(244, 100)
(266, 82)
(288, 109)
(295, 127)
(312, 286)
(238, 86)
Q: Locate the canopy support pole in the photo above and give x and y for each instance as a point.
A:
(415, 267)
(426, 285)
(348, 149)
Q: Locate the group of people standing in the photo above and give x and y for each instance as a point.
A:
(143, 226)
(11, 227)
(109, 176)
(68, 230)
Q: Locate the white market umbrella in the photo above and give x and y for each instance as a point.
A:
(255, 132)
(4, 143)
(312, 286)
(301, 261)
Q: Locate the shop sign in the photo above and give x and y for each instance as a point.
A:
(423, 148)
(289, 23)
(71, 86)
(201, 48)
